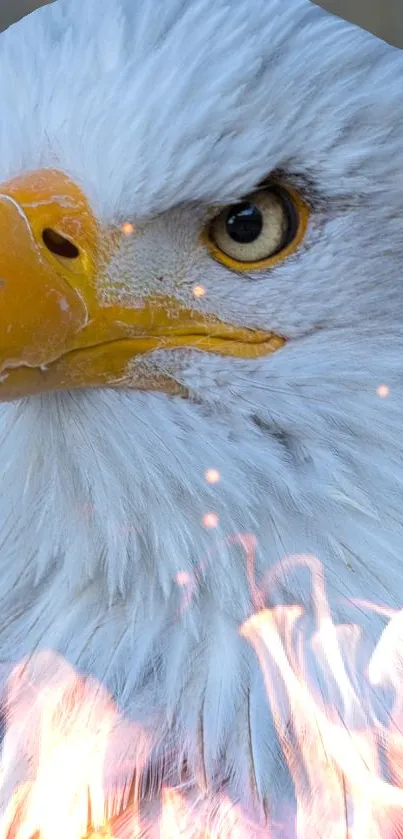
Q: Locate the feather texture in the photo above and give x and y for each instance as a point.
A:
(164, 111)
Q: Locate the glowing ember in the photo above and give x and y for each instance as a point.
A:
(183, 578)
(212, 476)
(211, 520)
(128, 228)
(383, 391)
(199, 291)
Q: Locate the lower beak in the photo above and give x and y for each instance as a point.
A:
(55, 330)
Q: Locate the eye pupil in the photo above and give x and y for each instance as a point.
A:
(244, 223)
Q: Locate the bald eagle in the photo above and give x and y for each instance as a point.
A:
(201, 351)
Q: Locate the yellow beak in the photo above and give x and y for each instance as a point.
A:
(56, 330)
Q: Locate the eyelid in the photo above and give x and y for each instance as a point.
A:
(300, 207)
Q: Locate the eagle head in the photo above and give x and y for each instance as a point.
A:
(200, 351)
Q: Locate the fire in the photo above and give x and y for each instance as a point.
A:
(339, 744)
(62, 733)
(67, 744)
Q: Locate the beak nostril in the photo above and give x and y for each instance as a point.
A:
(59, 245)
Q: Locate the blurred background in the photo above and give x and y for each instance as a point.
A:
(384, 17)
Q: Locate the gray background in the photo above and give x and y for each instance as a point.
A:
(385, 17)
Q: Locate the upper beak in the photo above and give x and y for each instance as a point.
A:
(56, 330)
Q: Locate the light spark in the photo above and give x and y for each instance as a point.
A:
(211, 520)
(212, 476)
(182, 578)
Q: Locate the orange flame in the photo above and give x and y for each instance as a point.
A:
(335, 766)
(62, 752)
(62, 731)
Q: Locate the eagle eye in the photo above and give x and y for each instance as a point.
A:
(259, 231)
